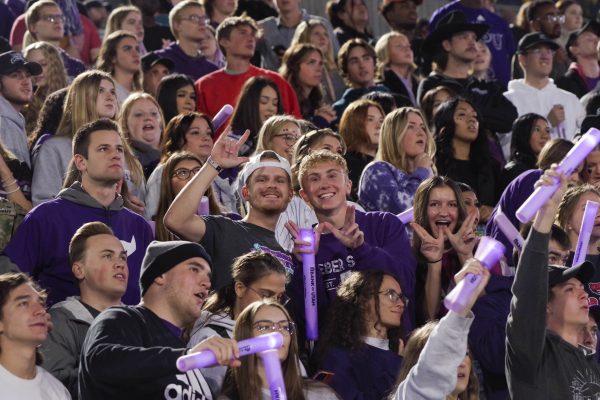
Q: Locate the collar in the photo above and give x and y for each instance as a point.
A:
(383, 344)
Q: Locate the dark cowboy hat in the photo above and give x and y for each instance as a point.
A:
(450, 24)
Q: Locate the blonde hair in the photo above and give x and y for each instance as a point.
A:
(126, 109)
(270, 128)
(393, 131)
(175, 11)
(382, 49)
(108, 52)
(302, 35)
(32, 16)
(116, 18)
(80, 102)
(56, 78)
(318, 157)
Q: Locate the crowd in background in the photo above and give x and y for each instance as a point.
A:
(160, 160)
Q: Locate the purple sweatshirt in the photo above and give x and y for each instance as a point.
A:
(513, 196)
(194, 67)
(386, 247)
(499, 38)
(40, 246)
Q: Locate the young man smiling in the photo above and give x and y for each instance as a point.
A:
(349, 239)
(267, 189)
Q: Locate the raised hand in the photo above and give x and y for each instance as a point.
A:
(226, 149)
(464, 240)
(298, 249)
(432, 248)
(350, 234)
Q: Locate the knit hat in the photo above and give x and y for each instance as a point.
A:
(160, 257)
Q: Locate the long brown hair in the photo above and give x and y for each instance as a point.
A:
(290, 70)
(167, 195)
(421, 203)
(243, 382)
(108, 53)
(353, 124)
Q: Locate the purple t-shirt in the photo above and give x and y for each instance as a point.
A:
(499, 38)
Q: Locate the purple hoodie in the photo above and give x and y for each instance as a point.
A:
(513, 196)
(386, 247)
(40, 246)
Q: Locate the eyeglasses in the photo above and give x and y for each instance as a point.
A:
(282, 299)
(184, 173)
(395, 297)
(541, 50)
(203, 21)
(285, 327)
(290, 140)
(553, 18)
(53, 18)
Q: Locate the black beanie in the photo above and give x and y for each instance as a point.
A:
(162, 256)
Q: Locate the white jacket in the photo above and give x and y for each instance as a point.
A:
(528, 99)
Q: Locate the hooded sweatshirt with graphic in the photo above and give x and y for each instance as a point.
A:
(40, 247)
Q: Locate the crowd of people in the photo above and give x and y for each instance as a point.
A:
(137, 227)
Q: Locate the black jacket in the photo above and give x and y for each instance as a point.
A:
(397, 88)
(129, 353)
(497, 111)
(572, 82)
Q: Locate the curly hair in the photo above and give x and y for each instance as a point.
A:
(349, 316)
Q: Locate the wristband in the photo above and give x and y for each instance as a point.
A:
(214, 164)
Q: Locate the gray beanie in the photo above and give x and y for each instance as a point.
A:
(162, 256)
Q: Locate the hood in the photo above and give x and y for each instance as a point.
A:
(76, 194)
(76, 309)
(208, 318)
(8, 111)
(519, 85)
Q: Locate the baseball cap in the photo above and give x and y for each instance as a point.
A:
(151, 59)
(257, 162)
(535, 39)
(557, 275)
(12, 61)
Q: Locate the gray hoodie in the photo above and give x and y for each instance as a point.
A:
(208, 325)
(12, 131)
(61, 350)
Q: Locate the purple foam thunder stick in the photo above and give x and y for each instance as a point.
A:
(272, 365)
(489, 252)
(224, 113)
(509, 230)
(310, 289)
(203, 208)
(406, 216)
(587, 224)
(574, 157)
(206, 358)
